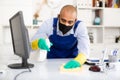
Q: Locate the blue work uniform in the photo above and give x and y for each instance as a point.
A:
(68, 45)
(63, 46)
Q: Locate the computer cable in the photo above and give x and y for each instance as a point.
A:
(29, 70)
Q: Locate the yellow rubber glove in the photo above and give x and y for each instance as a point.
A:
(76, 62)
(34, 44)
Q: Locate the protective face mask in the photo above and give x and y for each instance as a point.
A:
(63, 28)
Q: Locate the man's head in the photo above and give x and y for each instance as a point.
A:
(67, 18)
(68, 15)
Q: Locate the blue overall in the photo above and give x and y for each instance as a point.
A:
(63, 46)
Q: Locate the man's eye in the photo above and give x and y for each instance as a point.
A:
(70, 22)
(63, 20)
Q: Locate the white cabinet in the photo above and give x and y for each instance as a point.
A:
(111, 24)
(104, 30)
(109, 21)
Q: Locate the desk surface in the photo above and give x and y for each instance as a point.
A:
(49, 70)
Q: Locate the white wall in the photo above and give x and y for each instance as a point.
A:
(7, 9)
(10, 7)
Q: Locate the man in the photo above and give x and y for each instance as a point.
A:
(68, 36)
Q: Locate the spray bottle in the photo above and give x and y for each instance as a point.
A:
(43, 53)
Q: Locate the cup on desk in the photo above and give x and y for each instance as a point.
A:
(113, 62)
(114, 66)
(112, 58)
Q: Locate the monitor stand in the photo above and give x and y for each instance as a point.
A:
(23, 65)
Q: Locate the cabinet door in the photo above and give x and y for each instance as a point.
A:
(111, 17)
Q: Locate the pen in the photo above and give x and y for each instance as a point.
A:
(103, 56)
(115, 52)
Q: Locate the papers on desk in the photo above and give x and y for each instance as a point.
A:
(97, 60)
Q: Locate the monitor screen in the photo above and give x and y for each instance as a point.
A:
(20, 40)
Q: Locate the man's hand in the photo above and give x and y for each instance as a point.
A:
(76, 62)
(41, 43)
(72, 64)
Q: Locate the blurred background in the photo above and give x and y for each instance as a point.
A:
(102, 18)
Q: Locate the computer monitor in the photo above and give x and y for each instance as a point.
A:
(20, 40)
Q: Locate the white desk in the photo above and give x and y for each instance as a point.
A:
(49, 70)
